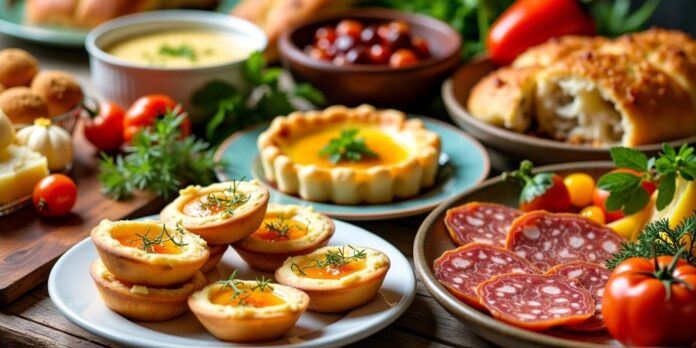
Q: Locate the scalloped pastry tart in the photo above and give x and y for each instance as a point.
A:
(336, 278)
(248, 311)
(149, 253)
(287, 230)
(216, 254)
(221, 213)
(349, 156)
(139, 302)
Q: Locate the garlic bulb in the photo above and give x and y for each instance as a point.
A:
(51, 141)
(7, 132)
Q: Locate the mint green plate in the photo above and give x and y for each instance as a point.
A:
(464, 164)
(12, 24)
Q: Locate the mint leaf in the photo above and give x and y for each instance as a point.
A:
(307, 91)
(618, 182)
(347, 147)
(253, 68)
(665, 192)
(625, 157)
(630, 201)
(536, 187)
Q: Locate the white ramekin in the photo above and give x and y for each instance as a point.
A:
(123, 81)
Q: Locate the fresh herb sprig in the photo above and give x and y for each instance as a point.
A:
(148, 244)
(159, 161)
(332, 259)
(229, 109)
(657, 239)
(347, 147)
(230, 199)
(626, 191)
(238, 291)
(181, 51)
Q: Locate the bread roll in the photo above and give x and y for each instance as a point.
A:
(612, 99)
(59, 89)
(17, 67)
(505, 98)
(22, 105)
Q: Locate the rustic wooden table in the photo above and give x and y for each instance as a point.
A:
(33, 320)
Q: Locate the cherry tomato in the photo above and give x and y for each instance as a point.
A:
(402, 57)
(556, 198)
(104, 127)
(349, 27)
(379, 54)
(528, 23)
(580, 187)
(326, 32)
(55, 195)
(146, 110)
(420, 45)
(595, 213)
(645, 305)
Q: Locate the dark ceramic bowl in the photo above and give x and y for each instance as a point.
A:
(433, 239)
(373, 84)
(455, 92)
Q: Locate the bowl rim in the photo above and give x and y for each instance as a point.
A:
(461, 115)
(289, 50)
(206, 18)
(464, 312)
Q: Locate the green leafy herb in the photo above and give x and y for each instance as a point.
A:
(181, 51)
(533, 186)
(159, 161)
(614, 17)
(332, 259)
(347, 147)
(626, 191)
(657, 239)
(239, 290)
(229, 200)
(229, 109)
(148, 244)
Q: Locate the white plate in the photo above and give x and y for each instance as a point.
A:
(72, 290)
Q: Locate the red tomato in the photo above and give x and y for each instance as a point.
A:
(528, 23)
(349, 27)
(556, 198)
(146, 110)
(55, 195)
(105, 129)
(379, 54)
(402, 57)
(639, 310)
(599, 196)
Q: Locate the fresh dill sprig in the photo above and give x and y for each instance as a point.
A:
(238, 290)
(658, 239)
(332, 259)
(148, 244)
(229, 201)
(283, 225)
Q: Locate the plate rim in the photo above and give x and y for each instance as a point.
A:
(475, 318)
(392, 214)
(346, 337)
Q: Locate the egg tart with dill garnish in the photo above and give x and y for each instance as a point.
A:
(149, 253)
(221, 213)
(336, 278)
(139, 302)
(349, 156)
(248, 311)
(287, 230)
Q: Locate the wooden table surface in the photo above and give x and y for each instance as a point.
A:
(33, 320)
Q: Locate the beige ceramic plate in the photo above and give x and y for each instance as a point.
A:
(432, 240)
(455, 92)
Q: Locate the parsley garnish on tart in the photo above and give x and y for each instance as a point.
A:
(347, 147)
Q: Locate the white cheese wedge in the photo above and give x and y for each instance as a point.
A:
(20, 170)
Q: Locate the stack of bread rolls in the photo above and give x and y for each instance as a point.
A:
(636, 89)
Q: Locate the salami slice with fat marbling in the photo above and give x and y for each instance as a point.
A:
(478, 222)
(592, 277)
(546, 239)
(536, 301)
(461, 270)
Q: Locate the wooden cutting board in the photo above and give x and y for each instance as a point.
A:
(29, 244)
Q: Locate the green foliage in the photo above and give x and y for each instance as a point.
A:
(614, 17)
(347, 147)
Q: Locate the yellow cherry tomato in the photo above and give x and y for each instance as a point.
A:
(580, 186)
(593, 212)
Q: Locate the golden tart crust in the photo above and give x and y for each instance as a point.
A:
(138, 266)
(266, 254)
(248, 323)
(343, 293)
(216, 254)
(192, 209)
(142, 303)
(378, 183)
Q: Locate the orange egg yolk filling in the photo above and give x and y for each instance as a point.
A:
(150, 238)
(278, 228)
(205, 205)
(330, 271)
(252, 298)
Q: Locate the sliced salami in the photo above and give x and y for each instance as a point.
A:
(461, 270)
(477, 222)
(536, 301)
(592, 277)
(547, 239)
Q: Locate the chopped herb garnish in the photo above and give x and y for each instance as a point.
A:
(347, 147)
(239, 290)
(283, 225)
(230, 199)
(148, 244)
(181, 51)
(332, 259)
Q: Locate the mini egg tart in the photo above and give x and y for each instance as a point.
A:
(216, 254)
(404, 155)
(287, 230)
(241, 311)
(149, 253)
(139, 302)
(221, 213)
(336, 278)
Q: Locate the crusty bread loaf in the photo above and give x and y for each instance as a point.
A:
(637, 89)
